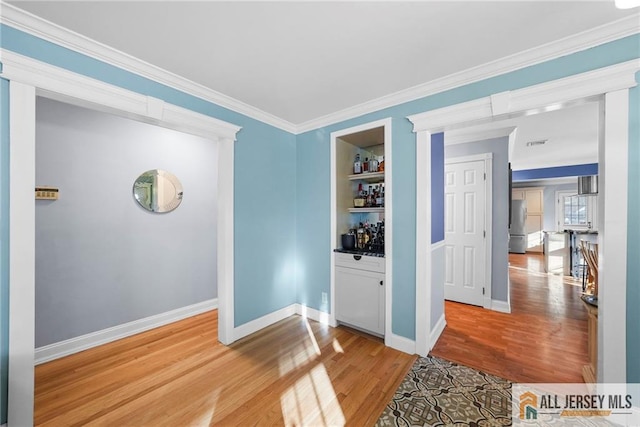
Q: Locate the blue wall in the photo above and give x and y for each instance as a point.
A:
(4, 246)
(556, 172)
(633, 239)
(437, 187)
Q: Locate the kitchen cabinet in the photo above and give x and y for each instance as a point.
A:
(535, 215)
(360, 292)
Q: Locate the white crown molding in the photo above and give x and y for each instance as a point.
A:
(537, 97)
(31, 24)
(52, 80)
(568, 45)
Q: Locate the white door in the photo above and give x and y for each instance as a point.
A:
(465, 199)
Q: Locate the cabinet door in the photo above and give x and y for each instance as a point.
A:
(517, 194)
(534, 201)
(360, 299)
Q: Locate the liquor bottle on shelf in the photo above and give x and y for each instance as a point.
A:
(357, 165)
(373, 165)
(365, 165)
(378, 194)
(381, 164)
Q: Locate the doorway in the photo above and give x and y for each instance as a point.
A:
(467, 218)
(28, 79)
(614, 106)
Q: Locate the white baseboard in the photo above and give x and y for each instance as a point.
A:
(399, 343)
(501, 306)
(84, 342)
(262, 322)
(313, 314)
(437, 331)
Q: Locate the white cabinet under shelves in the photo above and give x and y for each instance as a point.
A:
(360, 293)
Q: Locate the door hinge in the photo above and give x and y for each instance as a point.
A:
(485, 176)
(482, 291)
(484, 233)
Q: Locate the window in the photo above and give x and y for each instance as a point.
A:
(575, 211)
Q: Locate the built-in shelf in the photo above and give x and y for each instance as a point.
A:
(368, 177)
(366, 210)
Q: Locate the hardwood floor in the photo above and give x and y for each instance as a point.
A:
(296, 372)
(544, 339)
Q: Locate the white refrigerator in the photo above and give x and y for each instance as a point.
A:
(517, 231)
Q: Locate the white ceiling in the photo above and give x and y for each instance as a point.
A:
(303, 60)
(570, 135)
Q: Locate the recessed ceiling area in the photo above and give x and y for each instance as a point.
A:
(300, 61)
(570, 137)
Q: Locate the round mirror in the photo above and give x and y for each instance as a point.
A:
(158, 191)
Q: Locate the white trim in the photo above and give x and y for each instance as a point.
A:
(438, 329)
(464, 137)
(22, 170)
(437, 245)
(313, 314)
(532, 98)
(29, 78)
(94, 339)
(488, 217)
(34, 25)
(225, 230)
(587, 85)
(58, 83)
(423, 247)
(556, 49)
(612, 257)
(262, 322)
(501, 306)
(39, 27)
(400, 343)
(388, 214)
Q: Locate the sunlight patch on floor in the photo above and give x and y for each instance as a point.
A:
(337, 347)
(312, 401)
(208, 408)
(300, 355)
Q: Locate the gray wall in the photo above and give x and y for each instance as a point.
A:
(102, 260)
(500, 207)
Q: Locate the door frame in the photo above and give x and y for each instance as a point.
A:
(487, 158)
(610, 86)
(28, 79)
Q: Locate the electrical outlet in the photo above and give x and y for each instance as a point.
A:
(324, 298)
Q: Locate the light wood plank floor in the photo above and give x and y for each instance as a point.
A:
(544, 339)
(304, 373)
(293, 373)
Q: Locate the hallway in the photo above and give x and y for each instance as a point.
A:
(543, 339)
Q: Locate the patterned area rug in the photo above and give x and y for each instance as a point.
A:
(436, 392)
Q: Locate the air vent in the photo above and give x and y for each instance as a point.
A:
(534, 143)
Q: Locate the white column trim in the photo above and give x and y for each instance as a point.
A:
(423, 244)
(22, 170)
(612, 270)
